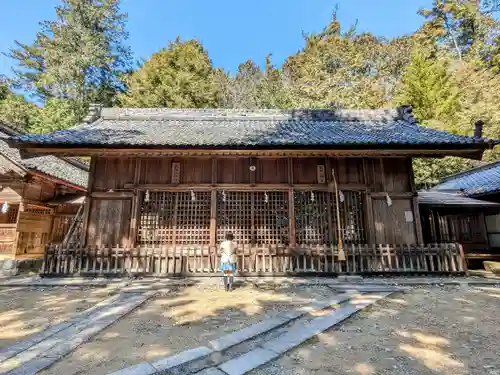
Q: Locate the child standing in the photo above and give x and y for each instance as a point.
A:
(228, 261)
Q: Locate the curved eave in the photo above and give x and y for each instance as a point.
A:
(56, 180)
(473, 151)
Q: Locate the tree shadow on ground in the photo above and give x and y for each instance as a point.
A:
(426, 331)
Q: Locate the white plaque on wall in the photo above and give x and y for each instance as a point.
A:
(409, 216)
(320, 172)
(176, 173)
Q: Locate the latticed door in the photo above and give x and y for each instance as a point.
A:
(316, 218)
(174, 218)
(255, 218)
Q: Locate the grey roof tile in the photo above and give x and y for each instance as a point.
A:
(214, 128)
(49, 165)
(474, 182)
(437, 198)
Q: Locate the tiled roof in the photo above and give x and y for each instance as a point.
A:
(49, 165)
(474, 182)
(222, 128)
(441, 199)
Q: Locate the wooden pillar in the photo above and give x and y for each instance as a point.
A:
(370, 224)
(291, 205)
(484, 228)
(136, 205)
(213, 206)
(328, 179)
(88, 201)
(16, 238)
(416, 208)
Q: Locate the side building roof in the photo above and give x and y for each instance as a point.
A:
(474, 182)
(212, 129)
(67, 170)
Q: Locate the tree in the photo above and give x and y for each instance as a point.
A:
(464, 27)
(251, 87)
(79, 56)
(180, 76)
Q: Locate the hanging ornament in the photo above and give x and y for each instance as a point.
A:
(388, 199)
(5, 207)
(266, 198)
(146, 196)
(223, 196)
(341, 196)
(193, 196)
(312, 196)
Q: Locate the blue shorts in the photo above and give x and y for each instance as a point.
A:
(228, 267)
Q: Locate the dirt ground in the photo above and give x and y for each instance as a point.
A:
(26, 311)
(182, 319)
(445, 330)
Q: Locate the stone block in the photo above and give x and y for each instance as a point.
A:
(248, 361)
(32, 367)
(140, 369)
(247, 333)
(181, 358)
(211, 371)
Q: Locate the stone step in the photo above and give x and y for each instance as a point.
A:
(193, 360)
(36, 338)
(51, 349)
(295, 336)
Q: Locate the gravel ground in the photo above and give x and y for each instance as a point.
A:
(26, 311)
(445, 330)
(184, 318)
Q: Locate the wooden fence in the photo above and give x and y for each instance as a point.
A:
(360, 259)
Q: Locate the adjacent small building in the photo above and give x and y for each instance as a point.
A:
(468, 212)
(39, 198)
(321, 191)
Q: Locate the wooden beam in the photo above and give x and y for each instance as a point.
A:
(242, 187)
(275, 153)
(112, 194)
(382, 195)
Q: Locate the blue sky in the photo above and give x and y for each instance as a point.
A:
(231, 31)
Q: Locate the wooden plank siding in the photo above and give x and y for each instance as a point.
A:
(114, 220)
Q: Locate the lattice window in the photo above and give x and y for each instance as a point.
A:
(316, 218)
(39, 210)
(353, 218)
(258, 218)
(12, 214)
(170, 218)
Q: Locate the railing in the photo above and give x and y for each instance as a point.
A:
(203, 260)
(7, 238)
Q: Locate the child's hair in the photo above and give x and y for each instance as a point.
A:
(229, 236)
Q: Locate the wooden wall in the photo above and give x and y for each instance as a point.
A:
(112, 213)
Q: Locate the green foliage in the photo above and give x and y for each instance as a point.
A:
(56, 114)
(346, 70)
(14, 109)
(429, 86)
(180, 76)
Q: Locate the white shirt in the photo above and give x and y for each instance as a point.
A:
(228, 252)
